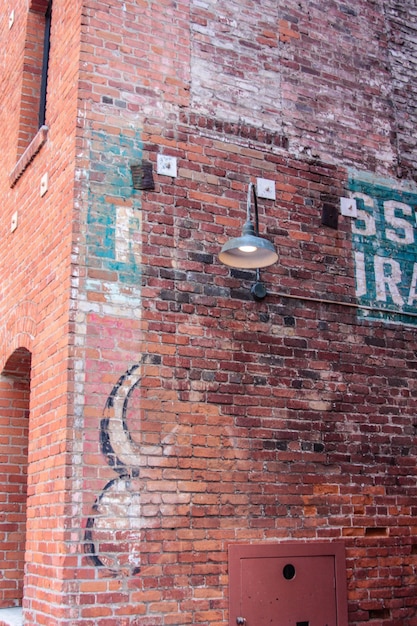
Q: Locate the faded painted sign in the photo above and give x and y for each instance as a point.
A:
(384, 239)
(113, 237)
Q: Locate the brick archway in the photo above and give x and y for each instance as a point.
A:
(14, 428)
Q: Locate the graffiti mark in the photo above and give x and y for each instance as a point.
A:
(117, 446)
(112, 533)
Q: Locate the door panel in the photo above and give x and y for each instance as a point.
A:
(287, 591)
(288, 585)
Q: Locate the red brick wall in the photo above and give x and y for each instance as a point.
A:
(171, 414)
(36, 301)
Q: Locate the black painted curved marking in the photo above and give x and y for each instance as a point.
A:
(112, 459)
(89, 545)
(105, 442)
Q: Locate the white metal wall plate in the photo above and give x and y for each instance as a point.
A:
(265, 188)
(13, 224)
(166, 165)
(348, 207)
(11, 18)
(44, 184)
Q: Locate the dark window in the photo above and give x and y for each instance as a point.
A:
(32, 131)
(45, 63)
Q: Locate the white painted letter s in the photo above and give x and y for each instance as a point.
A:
(402, 230)
(364, 216)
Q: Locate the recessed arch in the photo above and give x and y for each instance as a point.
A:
(14, 429)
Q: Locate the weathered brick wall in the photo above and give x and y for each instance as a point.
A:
(225, 399)
(311, 72)
(201, 417)
(335, 80)
(210, 418)
(401, 28)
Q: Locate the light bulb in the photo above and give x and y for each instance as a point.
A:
(247, 248)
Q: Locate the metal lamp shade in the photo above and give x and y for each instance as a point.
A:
(248, 251)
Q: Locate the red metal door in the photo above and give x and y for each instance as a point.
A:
(289, 585)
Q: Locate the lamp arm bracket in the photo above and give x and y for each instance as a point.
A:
(252, 191)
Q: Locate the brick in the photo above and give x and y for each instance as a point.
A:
(170, 413)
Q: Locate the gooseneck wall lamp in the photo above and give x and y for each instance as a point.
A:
(250, 251)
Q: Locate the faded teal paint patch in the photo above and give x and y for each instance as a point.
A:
(112, 244)
(384, 239)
